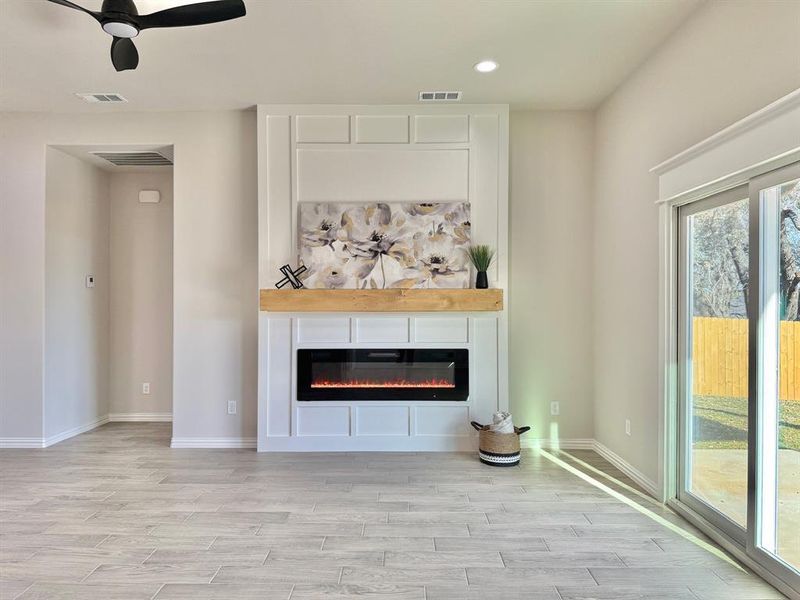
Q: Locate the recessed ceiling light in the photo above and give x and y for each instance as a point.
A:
(485, 66)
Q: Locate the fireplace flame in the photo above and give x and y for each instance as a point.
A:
(392, 384)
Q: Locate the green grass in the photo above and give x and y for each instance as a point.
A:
(721, 422)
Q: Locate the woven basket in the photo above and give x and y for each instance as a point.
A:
(498, 449)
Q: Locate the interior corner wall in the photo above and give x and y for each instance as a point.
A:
(215, 279)
(76, 316)
(550, 278)
(141, 296)
(22, 212)
(727, 61)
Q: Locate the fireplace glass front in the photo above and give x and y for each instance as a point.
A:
(383, 374)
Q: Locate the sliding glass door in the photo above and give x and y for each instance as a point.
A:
(775, 344)
(713, 339)
(739, 366)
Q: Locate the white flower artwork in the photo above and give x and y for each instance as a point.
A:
(385, 245)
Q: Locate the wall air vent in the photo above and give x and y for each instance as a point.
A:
(135, 159)
(440, 96)
(105, 97)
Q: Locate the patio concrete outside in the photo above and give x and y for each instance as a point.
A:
(720, 478)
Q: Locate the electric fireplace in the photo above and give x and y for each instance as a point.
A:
(383, 374)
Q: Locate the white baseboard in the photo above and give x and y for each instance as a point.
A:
(635, 474)
(549, 444)
(216, 442)
(65, 435)
(21, 442)
(34, 442)
(145, 417)
(591, 444)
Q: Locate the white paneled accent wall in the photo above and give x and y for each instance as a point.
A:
(289, 424)
(382, 129)
(379, 154)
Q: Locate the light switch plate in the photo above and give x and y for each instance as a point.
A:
(90, 281)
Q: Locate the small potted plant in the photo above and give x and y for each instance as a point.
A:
(481, 257)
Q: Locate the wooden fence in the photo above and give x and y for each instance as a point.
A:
(720, 358)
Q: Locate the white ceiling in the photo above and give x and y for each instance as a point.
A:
(560, 54)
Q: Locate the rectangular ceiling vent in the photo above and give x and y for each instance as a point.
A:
(440, 96)
(106, 97)
(135, 159)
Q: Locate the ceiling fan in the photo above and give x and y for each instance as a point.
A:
(121, 20)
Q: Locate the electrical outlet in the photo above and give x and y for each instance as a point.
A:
(231, 407)
(555, 409)
(627, 426)
(145, 388)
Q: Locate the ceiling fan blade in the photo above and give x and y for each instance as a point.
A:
(124, 55)
(69, 4)
(193, 14)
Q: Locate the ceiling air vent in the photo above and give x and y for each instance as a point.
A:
(440, 96)
(102, 97)
(135, 159)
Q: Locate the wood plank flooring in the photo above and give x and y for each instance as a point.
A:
(116, 514)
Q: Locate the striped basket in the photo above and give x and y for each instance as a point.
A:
(498, 449)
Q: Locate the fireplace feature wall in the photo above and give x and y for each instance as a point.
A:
(379, 154)
(383, 374)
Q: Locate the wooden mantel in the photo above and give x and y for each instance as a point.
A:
(394, 300)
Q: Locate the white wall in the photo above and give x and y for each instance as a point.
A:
(76, 317)
(728, 60)
(141, 296)
(550, 279)
(215, 264)
(22, 233)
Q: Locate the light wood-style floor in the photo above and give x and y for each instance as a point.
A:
(116, 514)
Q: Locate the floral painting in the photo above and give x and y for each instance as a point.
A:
(385, 245)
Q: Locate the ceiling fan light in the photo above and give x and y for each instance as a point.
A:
(120, 29)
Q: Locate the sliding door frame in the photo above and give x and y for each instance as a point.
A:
(763, 369)
(745, 545)
(684, 359)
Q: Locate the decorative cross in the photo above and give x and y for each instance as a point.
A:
(290, 277)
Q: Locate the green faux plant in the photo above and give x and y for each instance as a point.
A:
(481, 256)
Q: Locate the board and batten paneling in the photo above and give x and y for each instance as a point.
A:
(379, 175)
(382, 129)
(380, 164)
(323, 330)
(385, 330)
(278, 384)
(441, 329)
(323, 129)
(412, 153)
(431, 129)
(313, 420)
(382, 420)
